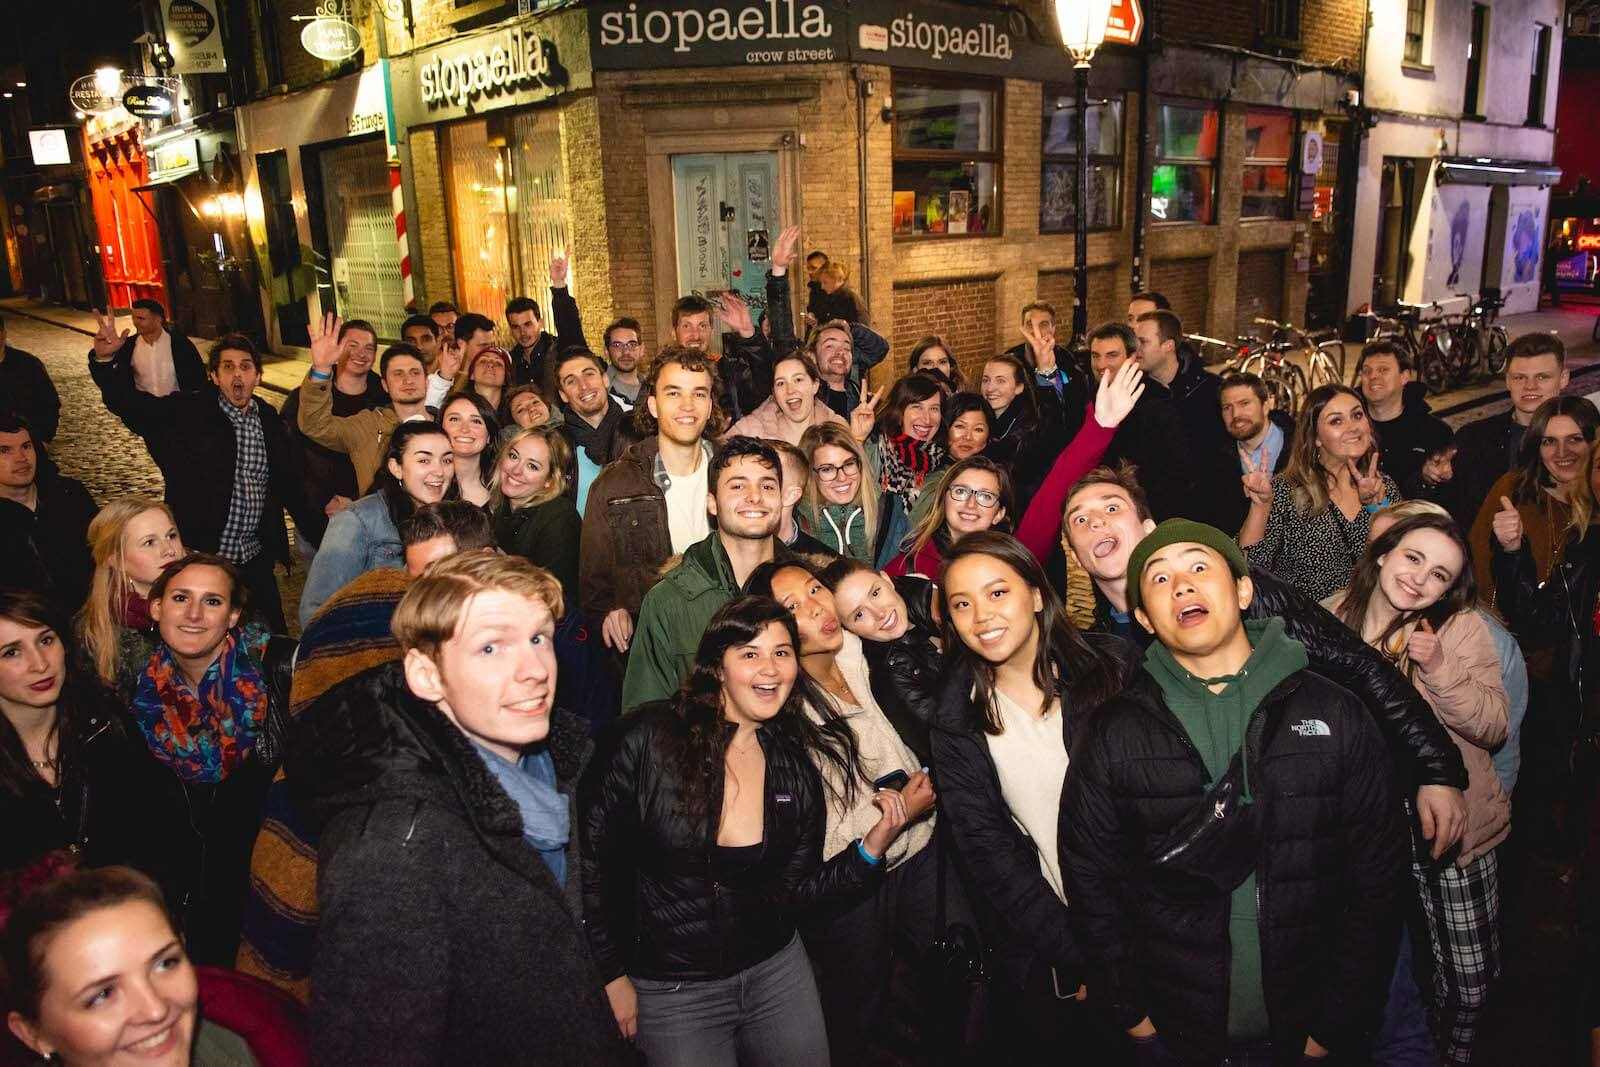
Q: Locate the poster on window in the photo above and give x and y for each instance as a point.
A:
(905, 209)
(960, 209)
(1456, 232)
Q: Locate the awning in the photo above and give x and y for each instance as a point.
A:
(1480, 170)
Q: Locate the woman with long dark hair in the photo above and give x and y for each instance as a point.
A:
(74, 788)
(968, 426)
(1309, 524)
(474, 432)
(418, 468)
(704, 829)
(932, 354)
(1413, 597)
(1021, 681)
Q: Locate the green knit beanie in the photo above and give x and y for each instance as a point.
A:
(1181, 531)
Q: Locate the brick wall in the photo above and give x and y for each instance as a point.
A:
(1187, 284)
(1107, 299)
(432, 224)
(1331, 30)
(1260, 288)
(961, 313)
(1194, 20)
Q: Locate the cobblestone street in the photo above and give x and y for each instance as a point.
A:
(92, 445)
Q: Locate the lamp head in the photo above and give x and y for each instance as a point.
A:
(1083, 27)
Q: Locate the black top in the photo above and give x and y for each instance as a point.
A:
(26, 390)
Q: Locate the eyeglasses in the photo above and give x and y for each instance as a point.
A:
(828, 471)
(962, 493)
(625, 345)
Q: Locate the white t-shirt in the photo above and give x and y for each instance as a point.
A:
(153, 371)
(1031, 758)
(687, 521)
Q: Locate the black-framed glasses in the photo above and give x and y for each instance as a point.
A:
(829, 471)
(626, 346)
(962, 493)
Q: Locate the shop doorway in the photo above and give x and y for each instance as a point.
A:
(288, 286)
(353, 233)
(727, 213)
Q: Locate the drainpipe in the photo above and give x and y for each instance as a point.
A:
(1141, 196)
(863, 91)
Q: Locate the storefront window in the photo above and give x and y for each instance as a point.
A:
(508, 210)
(1268, 147)
(363, 267)
(1058, 178)
(1184, 180)
(946, 160)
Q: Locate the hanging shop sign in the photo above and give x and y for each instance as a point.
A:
(634, 36)
(193, 36)
(175, 159)
(148, 102)
(50, 148)
(96, 95)
(330, 38)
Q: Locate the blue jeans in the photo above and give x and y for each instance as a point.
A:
(1404, 1039)
(767, 1015)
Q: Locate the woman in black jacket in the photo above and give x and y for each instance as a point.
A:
(1000, 741)
(533, 516)
(704, 829)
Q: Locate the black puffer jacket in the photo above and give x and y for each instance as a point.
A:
(443, 936)
(1557, 613)
(1423, 751)
(907, 673)
(648, 869)
(1330, 865)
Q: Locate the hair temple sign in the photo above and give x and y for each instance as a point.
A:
(462, 78)
(769, 21)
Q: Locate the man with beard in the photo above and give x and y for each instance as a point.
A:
(1265, 435)
(328, 478)
(364, 435)
(1106, 516)
(622, 350)
(745, 496)
(534, 350)
(444, 314)
(598, 425)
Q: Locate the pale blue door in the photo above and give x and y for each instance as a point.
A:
(727, 219)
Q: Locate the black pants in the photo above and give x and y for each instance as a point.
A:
(263, 602)
(1043, 1024)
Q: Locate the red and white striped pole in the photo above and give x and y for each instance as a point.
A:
(403, 246)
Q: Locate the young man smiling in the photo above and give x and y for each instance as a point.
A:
(1261, 792)
(1105, 519)
(745, 496)
(1536, 370)
(599, 426)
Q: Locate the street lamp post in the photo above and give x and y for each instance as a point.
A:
(1083, 31)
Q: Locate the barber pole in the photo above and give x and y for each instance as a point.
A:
(398, 200)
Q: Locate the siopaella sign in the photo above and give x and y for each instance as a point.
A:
(636, 34)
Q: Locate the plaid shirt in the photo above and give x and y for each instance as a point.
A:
(241, 540)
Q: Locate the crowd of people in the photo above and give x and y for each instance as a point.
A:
(724, 705)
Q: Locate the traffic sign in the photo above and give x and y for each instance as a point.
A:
(1125, 23)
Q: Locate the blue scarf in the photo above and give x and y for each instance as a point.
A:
(546, 818)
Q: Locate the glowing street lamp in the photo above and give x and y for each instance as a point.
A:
(1083, 30)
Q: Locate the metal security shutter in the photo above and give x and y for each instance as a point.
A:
(361, 236)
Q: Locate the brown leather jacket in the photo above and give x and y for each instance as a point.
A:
(625, 537)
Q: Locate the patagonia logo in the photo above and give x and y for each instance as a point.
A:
(782, 798)
(1312, 728)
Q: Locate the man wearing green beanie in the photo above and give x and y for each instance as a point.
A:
(1237, 810)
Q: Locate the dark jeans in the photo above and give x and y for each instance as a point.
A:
(764, 1016)
(261, 592)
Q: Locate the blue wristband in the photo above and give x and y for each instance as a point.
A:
(872, 860)
(319, 376)
(1373, 509)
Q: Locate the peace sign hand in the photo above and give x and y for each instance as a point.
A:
(1369, 483)
(1117, 395)
(325, 345)
(865, 415)
(107, 342)
(1424, 648)
(1257, 480)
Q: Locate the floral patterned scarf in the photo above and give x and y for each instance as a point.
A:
(204, 735)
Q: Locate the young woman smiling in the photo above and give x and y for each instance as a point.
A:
(1021, 681)
(469, 421)
(490, 374)
(841, 504)
(131, 539)
(855, 948)
(968, 425)
(1413, 597)
(1309, 524)
(794, 406)
(931, 353)
(704, 842)
(533, 516)
(418, 469)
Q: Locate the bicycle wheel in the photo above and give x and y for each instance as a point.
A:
(1286, 384)
(1435, 368)
(1494, 356)
(1321, 369)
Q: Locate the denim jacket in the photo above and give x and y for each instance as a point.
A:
(360, 538)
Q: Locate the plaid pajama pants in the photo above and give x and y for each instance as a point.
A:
(1462, 906)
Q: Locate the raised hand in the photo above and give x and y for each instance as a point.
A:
(1043, 344)
(785, 248)
(736, 313)
(325, 347)
(1369, 483)
(451, 356)
(558, 268)
(107, 341)
(1424, 649)
(1117, 395)
(1507, 525)
(865, 415)
(1257, 480)
(1439, 467)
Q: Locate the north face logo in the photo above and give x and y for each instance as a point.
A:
(1312, 728)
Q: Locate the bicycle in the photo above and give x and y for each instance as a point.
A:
(1324, 351)
(1480, 336)
(1268, 360)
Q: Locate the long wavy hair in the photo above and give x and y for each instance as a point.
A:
(488, 468)
(78, 694)
(1461, 596)
(932, 526)
(1307, 477)
(838, 435)
(107, 604)
(911, 389)
(1532, 476)
(560, 459)
(703, 751)
(1083, 675)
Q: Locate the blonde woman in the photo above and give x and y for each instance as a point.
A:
(840, 507)
(533, 516)
(132, 539)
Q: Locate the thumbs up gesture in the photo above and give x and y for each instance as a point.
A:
(1507, 526)
(1423, 648)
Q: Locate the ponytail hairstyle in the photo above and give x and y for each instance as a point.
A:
(1083, 675)
(1461, 596)
(1024, 376)
(110, 590)
(703, 748)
